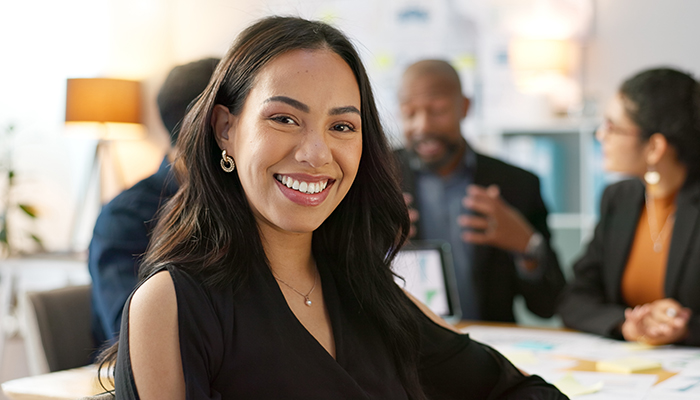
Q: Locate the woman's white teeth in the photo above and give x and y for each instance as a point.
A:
(304, 187)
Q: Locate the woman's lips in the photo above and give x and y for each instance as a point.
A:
(306, 191)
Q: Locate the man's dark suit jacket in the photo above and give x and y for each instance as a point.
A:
(496, 279)
(119, 240)
(593, 301)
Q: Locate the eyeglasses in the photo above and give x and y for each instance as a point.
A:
(607, 127)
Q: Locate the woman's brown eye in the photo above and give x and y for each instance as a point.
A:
(283, 119)
(343, 128)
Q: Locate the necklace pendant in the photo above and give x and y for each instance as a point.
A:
(307, 302)
(658, 247)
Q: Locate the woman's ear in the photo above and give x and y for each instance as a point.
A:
(223, 122)
(657, 146)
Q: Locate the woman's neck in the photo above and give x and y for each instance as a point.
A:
(289, 254)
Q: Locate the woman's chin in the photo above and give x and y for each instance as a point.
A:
(299, 227)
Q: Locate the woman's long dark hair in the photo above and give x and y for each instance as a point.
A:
(207, 227)
(667, 101)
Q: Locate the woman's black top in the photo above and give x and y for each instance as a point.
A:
(249, 345)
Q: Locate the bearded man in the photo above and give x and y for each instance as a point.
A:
(490, 212)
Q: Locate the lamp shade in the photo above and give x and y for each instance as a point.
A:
(107, 108)
(103, 100)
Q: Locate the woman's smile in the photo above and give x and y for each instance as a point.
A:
(303, 189)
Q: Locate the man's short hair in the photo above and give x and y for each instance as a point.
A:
(183, 84)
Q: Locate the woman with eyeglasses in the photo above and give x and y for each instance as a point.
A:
(639, 278)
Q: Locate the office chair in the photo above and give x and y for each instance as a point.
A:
(63, 322)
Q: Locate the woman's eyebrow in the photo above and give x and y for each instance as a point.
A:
(344, 110)
(303, 107)
(287, 100)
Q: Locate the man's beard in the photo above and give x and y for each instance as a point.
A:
(452, 150)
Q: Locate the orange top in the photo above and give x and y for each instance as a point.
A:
(645, 272)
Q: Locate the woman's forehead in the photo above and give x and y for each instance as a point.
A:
(318, 74)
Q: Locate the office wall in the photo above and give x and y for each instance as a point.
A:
(630, 35)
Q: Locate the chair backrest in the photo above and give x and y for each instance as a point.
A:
(63, 318)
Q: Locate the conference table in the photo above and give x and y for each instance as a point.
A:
(70, 384)
(586, 366)
(570, 360)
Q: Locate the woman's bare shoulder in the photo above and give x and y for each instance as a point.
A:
(154, 340)
(157, 293)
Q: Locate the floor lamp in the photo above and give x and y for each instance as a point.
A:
(105, 110)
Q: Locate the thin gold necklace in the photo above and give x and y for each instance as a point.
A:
(307, 300)
(653, 224)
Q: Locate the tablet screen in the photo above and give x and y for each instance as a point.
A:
(425, 278)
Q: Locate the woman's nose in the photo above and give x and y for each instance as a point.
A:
(421, 122)
(601, 132)
(314, 149)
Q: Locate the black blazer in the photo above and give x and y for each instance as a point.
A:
(496, 279)
(593, 301)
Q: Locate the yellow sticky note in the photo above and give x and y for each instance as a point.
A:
(627, 365)
(384, 60)
(571, 387)
(524, 357)
(464, 62)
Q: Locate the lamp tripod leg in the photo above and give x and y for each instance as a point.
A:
(79, 213)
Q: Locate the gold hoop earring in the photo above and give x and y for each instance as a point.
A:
(227, 163)
(652, 176)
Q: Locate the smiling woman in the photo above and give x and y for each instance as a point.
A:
(268, 275)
